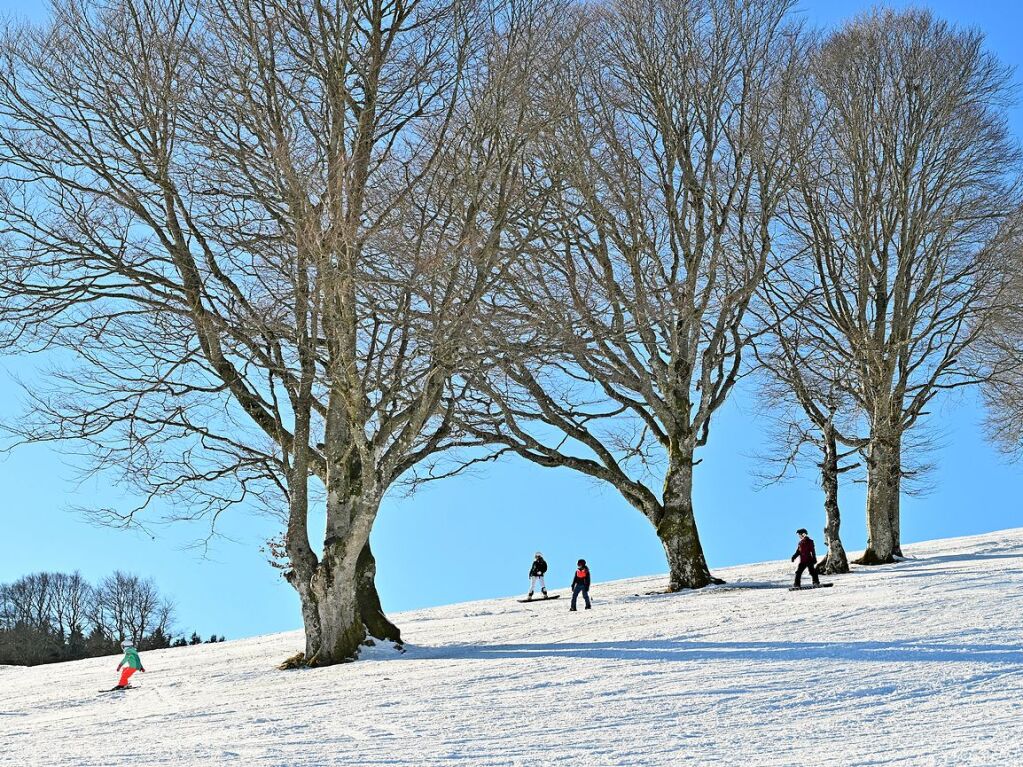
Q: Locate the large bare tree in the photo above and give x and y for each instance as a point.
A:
(627, 329)
(904, 180)
(804, 388)
(260, 232)
(1000, 352)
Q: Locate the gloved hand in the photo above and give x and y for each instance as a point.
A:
(793, 558)
(142, 670)
(118, 666)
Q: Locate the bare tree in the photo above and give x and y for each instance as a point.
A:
(627, 330)
(53, 603)
(264, 230)
(905, 178)
(28, 601)
(51, 617)
(28, 633)
(126, 606)
(805, 391)
(1000, 351)
(111, 606)
(72, 600)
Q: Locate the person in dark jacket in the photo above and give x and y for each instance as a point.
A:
(807, 555)
(536, 573)
(581, 584)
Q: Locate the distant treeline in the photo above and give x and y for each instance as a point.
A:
(53, 617)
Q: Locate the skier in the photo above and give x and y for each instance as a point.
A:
(536, 573)
(807, 558)
(131, 663)
(581, 584)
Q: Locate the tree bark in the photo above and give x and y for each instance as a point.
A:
(895, 502)
(676, 527)
(340, 605)
(836, 560)
(339, 631)
(377, 624)
(880, 489)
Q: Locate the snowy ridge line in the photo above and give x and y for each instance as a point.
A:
(917, 663)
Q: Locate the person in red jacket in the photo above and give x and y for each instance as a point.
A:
(807, 555)
(581, 584)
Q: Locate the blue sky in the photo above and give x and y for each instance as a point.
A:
(473, 537)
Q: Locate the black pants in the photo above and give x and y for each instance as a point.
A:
(812, 567)
(578, 589)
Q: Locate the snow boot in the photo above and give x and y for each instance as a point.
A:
(544, 592)
(571, 609)
(529, 595)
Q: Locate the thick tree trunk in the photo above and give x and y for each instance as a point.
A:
(880, 490)
(895, 502)
(676, 527)
(377, 624)
(836, 560)
(894, 516)
(340, 606)
(339, 630)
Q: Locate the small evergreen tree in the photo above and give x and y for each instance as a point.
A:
(76, 647)
(158, 640)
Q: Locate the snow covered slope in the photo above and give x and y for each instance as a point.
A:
(920, 663)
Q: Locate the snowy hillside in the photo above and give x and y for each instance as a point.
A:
(916, 664)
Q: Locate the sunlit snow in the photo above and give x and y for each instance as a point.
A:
(919, 663)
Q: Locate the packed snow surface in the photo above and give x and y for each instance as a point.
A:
(918, 663)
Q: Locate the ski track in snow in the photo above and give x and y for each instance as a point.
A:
(918, 663)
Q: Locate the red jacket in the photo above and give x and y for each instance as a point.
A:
(805, 551)
(582, 577)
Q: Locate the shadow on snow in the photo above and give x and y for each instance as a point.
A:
(699, 652)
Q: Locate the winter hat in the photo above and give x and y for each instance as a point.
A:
(582, 563)
(802, 531)
(538, 554)
(126, 644)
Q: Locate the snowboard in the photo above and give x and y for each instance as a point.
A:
(541, 599)
(811, 588)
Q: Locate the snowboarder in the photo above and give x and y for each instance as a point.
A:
(131, 663)
(807, 555)
(536, 573)
(581, 584)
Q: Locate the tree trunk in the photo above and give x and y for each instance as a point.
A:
(377, 624)
(340, 605)
(880, 490)
(836, 560)
(895, 502)
(339, 629)
(676, 527)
